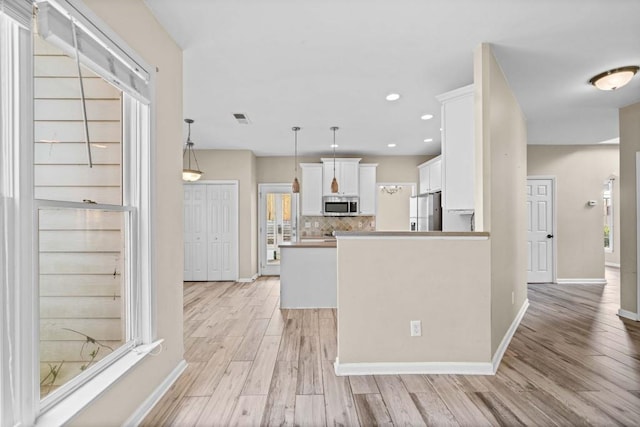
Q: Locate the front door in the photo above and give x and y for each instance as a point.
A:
(277, 224)
(540, 230)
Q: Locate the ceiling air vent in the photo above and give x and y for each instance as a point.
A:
(241, 118)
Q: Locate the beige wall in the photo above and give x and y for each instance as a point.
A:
(383, 284)
(135, 24)
(580, 172)
(393, 210)
(629, 146)
(238, 165)
(504, 151)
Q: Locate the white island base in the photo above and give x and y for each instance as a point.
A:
(308, 275)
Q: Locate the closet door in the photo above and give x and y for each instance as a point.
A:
(195, 236)
(222, 220)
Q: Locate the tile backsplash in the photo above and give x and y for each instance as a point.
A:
(317, 226)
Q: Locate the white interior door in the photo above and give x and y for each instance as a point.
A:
(540, 230)
(195, 237)
(222, 217)
(278, 224)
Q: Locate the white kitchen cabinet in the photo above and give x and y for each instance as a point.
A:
(430, 173)
(368, 189)
(311, 189)
(458, 151)
(347, 173)
(435, 175)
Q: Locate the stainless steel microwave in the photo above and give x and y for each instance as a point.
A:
(340, 206)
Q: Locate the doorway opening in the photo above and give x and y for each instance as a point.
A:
(278, 224)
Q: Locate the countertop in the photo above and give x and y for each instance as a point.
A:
(318, 244)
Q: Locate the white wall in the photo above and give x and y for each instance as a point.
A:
(629, 146)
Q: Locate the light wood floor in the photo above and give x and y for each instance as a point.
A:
(571, 362)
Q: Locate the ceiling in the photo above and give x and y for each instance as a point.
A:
(317, 64)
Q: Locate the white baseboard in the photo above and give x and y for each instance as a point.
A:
(143, 410)
(612, 264)
(397, 368)
(591, 281)
(628, 315)
(248, 280)
(497, 357)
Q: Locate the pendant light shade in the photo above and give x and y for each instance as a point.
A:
(295, 187)
(334, 182)
(189, 174)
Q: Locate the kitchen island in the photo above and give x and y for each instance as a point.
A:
(308, 274)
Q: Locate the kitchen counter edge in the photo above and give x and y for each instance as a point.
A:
(412, 234)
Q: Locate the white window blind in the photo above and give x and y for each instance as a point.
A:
(57, 28)
(19, 10)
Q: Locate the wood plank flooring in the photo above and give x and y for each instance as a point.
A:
(573, 361)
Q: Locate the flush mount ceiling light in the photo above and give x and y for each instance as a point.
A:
(428, 140)
(295, 187)
(427, 117)
(391, 145)
(189, 174)
(393, 97)
(614, 79)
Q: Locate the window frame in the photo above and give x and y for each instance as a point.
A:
(20, 401)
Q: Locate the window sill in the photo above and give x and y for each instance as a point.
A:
(64, 411)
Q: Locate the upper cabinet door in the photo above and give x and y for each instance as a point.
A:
(346, 173)
(350, 176)
(311, 189)
(430, 173)
(458, 150)
(435, 175)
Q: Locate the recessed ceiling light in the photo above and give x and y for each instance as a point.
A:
(614, 79)
(427, 117)
(334, 145)
(428, 140)
(393, 97)
(391, 145)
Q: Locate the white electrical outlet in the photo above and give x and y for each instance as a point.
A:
(416, 328)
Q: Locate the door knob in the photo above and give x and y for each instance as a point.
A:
(549, 236)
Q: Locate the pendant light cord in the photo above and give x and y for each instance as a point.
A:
(189, 150)
(296, 152)
(334, 150)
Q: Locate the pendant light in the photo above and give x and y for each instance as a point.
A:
(295, 187)
(189, 174)
(334, 183)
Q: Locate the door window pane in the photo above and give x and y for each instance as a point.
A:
(278, 225)
(607, 198)
(82, 282)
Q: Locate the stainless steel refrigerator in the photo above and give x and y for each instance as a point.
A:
(426, 212)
